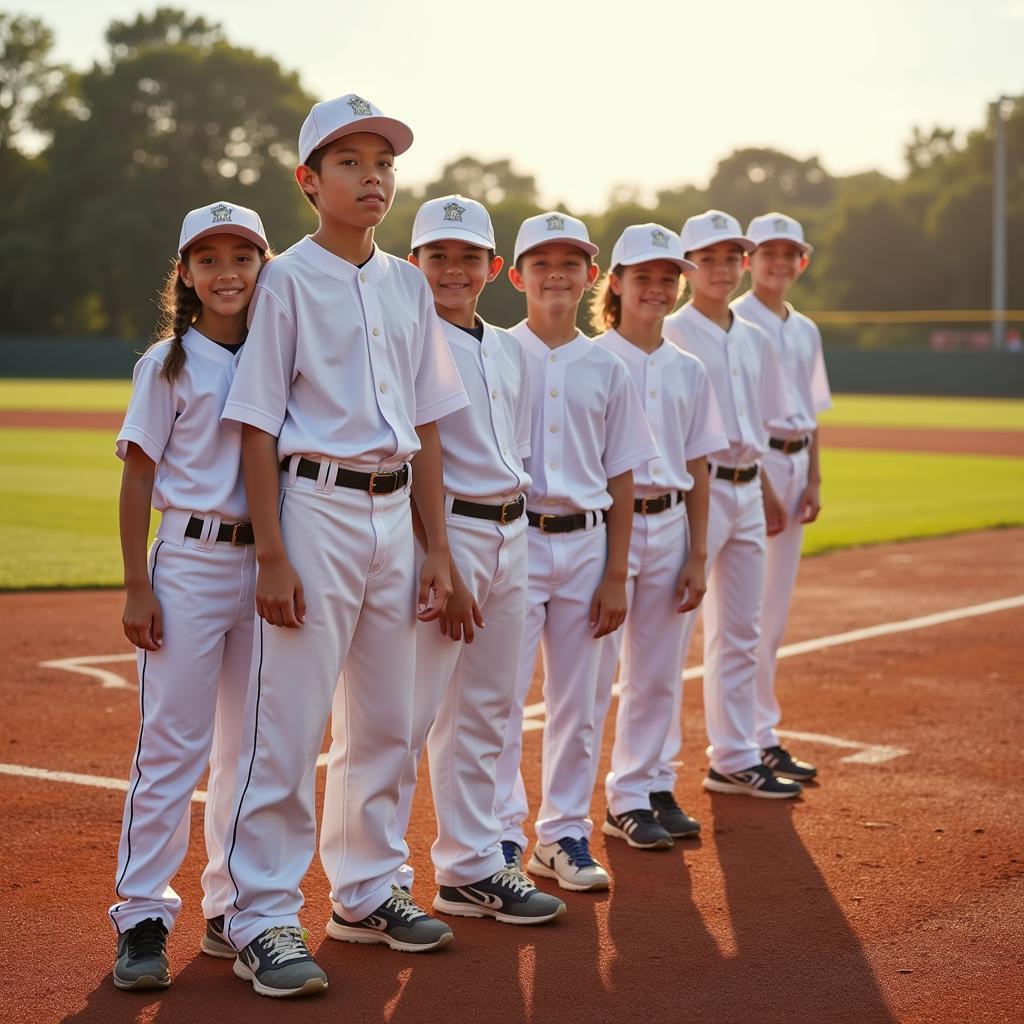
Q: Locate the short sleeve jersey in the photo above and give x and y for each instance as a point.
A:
(744, 373)
(485, 442)
(178, 425)
(588, 424)
(680, 406)
(797, 343)
(344, 361)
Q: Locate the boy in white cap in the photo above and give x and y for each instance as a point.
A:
(750, 392)
(791, 462)
(346, 370)
(588, 435)
(669, 539)
(466, 662)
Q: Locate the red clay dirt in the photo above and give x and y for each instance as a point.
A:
(891, 892)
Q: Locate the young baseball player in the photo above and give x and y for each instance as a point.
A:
(791, 462)
(669, 538)
(588, 434)
(750, 393)
(345, 371)
(466, 669)
(189, 605)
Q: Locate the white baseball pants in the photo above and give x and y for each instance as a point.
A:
(464, 694)
(191, 699)
(354, 554)
(565, 570)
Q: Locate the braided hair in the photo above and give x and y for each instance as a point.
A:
(179, 307)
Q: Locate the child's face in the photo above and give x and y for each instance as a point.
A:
(554, 276)
(356, 181)
(719, 271)
(223, 270)
(648, 291)
(775, 265)
(456, 271)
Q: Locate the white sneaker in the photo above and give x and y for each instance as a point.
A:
(570, 862)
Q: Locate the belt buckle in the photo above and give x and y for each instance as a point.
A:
(374, 477)
(235, 542)
(507, 509)
(735, 475)
(643, 506)
(792, 447)
(540, 524)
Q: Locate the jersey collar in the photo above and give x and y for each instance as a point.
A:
(334, 266)
(629, 352)
(575, 349)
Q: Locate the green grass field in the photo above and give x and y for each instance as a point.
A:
(58, 488)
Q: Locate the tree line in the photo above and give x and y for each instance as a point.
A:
(99, 166)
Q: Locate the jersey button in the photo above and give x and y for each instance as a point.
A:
(554, 392)
(494, 394)
(553, 428)
(376, 332)
(362, 277)
(384, 388)
(552, 357)
(654, 393)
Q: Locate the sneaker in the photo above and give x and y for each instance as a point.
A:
(398, 923)
(279, 964)
(783, 763)
(757, 781)
(671, 817)
(638, 828)
(512, 852)
(508, 896)
(142, 956)
(215, 942)
(570, 862)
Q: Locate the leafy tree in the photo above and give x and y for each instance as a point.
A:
(28, 78)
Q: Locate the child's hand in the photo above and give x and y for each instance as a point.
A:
(774, 513)
(608, 608)
(435, 586)
(810, 503)
(280, 600)
(461, 613)
(142, 619)
(691, 586)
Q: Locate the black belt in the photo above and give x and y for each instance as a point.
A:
(780, 444)
(509, 512)
(650, 506)
(562, 524)
(735, 474)
(375, 483)
(237, 533)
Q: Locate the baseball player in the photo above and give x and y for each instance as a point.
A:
(745, 374)
(669, 538)
(791, 461)
(588, 434)
(346, 371)
(189, 606)
(466, 669)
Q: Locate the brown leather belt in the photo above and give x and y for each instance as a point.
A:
(238, 533)
(780, 444)
(735, 474)
(374, 483)
(660, 502)
(562, 524)
(509, 512)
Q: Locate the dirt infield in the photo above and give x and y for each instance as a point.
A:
(890, 892)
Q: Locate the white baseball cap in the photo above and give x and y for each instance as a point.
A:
(711, 227)
(553, 227)
(453, 217)
(772, 226)
(219, 219)
(331, 119)
(640, 243)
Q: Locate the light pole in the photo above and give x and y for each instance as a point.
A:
(999, 227)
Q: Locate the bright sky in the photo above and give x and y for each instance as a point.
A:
(588, 95)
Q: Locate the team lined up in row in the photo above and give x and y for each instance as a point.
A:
(560, 487)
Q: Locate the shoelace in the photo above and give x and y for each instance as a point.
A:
(578, 851)
(664, 801)
(402, 904)
(511, 852)
(284, 943)
(513, 878)
(147, 938)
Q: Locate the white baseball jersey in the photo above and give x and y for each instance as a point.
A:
(680, 406)
(485, 442)
(797, 343)
(588, 423)
(344, 361)
(178, 426)
(745, 373)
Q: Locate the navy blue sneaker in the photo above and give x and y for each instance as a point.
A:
(757, 781)
(142, 956)
(215, 942)
(279, 964)
(397, 923)
(571, 863)
(671, 817)
(508, 896)
(638, 828)
(783, 763)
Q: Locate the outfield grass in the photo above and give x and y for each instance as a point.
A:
(921, 411)
(69, 395)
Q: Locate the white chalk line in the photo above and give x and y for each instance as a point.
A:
(866, 753)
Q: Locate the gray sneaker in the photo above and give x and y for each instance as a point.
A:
(215, 942)
(142, 956)
(507, 896)
(278, 964)
(397, 923)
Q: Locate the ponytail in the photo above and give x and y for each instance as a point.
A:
(605, 305)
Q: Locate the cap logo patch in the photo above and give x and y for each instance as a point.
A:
(452, 211)
(659, 239)
(780, 225)
(221, 213)
(555, 223)
(359, 106)
(719, 222)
